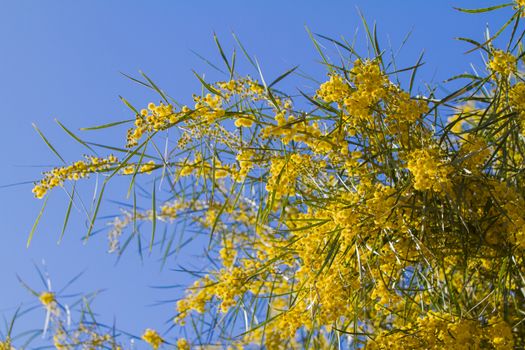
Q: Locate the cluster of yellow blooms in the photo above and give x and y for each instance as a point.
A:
(76, 171)
(144, 168)
(153, 338)
(154, 118)
(503, 63)
(6, 345)
(362, 223)
(430, 173)
(438, 331)
(351, 243)
(517, 102)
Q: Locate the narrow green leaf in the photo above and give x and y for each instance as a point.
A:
(498, 33)
(413, 75)
(136, 80)
(75, 137)
(369, 34)
(207, 86)
(221, 51)
(155, 87)
(244, 50)
(208, 62)
(234, 57)
(35, 224)
(97, 207)
(68, 212)
(281, 77)
(317, 47)
(473, 42)
(129, 105)
(48, 143)
(154, 216)
(340, 44)
(137, 166)
(486, 9)
(12, 323)
(109, 125)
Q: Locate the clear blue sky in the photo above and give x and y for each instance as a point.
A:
(61, 59)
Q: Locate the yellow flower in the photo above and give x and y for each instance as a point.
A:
(130, 169)
(6, 345)
(503, 63)
(246, 122)
(182, 344)
(153, 338)
(148, 167)
(47, 298)
(75, 171)
(428, 170)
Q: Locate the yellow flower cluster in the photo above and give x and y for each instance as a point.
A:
(144, 168)
(168, 212)
(47, 298)
(503, 63)
(153, 338)
(6, 345)
(439, 331)
(154, 118)
(284, 173)
(228, 285)
(83, 335)
(209, 107)
(203, 168)
(369, 92)
(475, 153)
(183, 344)
(76, 171)
(246, 163)
(517, 102)
(429, 171)
(370, 220)
(334, 90)
(244, 87)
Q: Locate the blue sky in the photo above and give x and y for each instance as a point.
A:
(62, 59)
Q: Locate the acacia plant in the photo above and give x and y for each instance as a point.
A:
(365, 214)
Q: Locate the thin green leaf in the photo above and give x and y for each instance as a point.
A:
(109, 125)
(221, 51)
(95, 212)
(35, 224)
(486, 9)
(48, 143)
(75, 137)
(244, 50)
(129, 105)
(155, 87)
(282, 76)
(207, 86)
(154, 216)
(68, 212)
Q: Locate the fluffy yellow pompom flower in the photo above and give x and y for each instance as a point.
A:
(428, 170)
(148, 167)
(182, 344)
(6, 345)
(47, 298)
(246, 122)
(334, 90)
(503, 63)
(153, 338)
